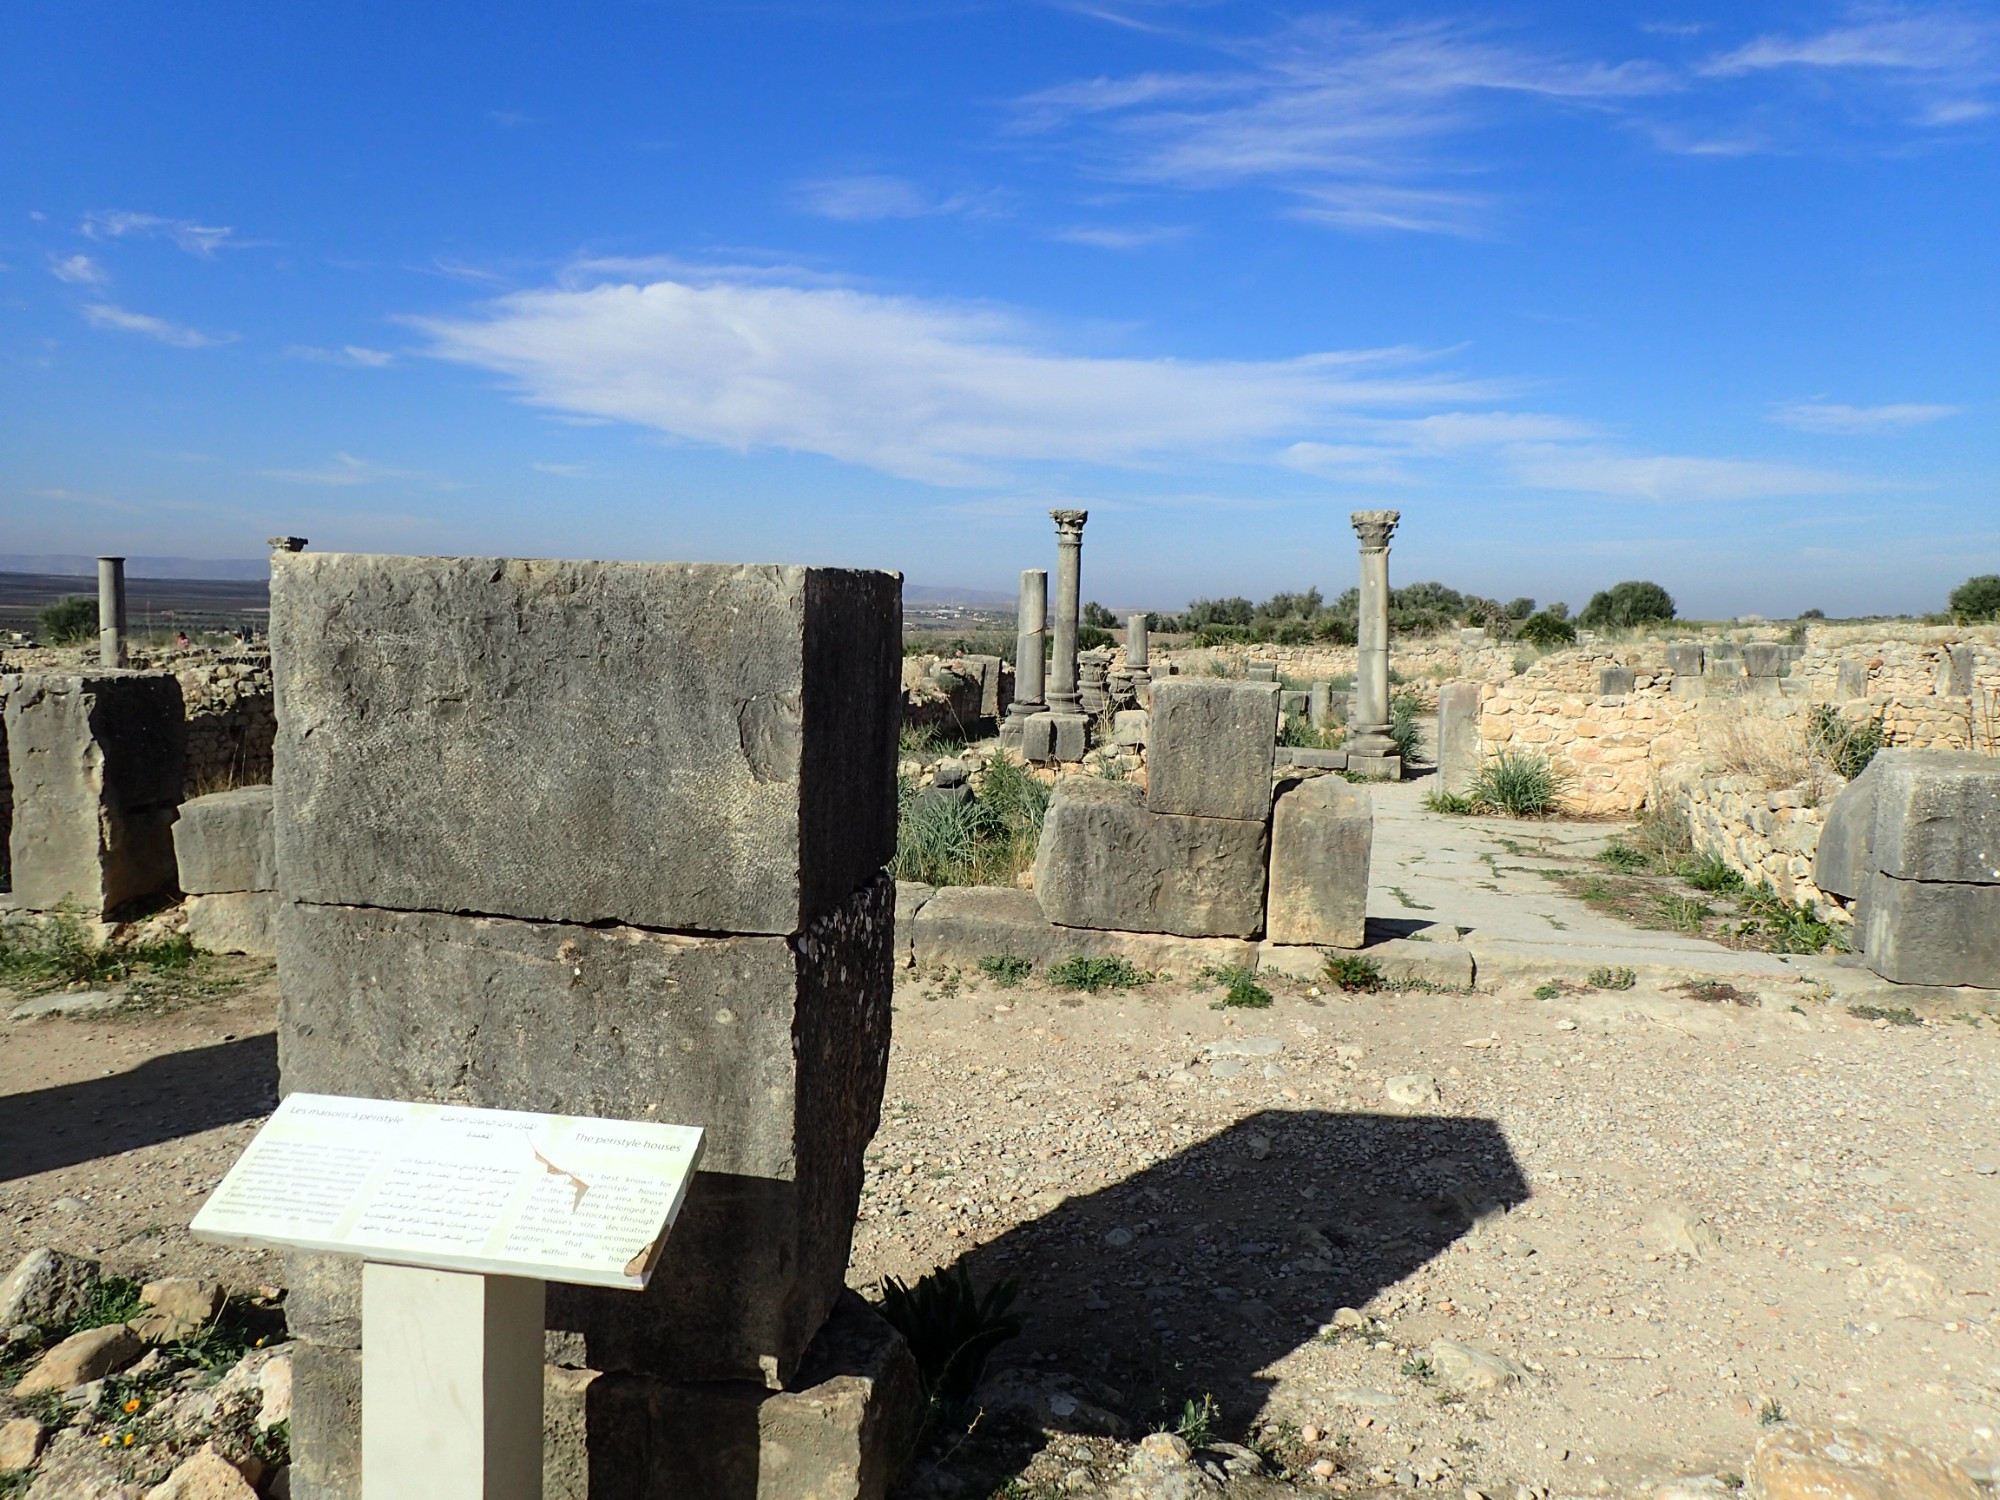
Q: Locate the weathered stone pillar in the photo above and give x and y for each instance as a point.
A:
(1370, 741)
(1063, 697)
(1031, 629)
(111, 611)
(517, 870)
(1138, 649)
(1458, 735)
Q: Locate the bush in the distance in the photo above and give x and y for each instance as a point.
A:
(1977, 598)
(1547, 631)
(68, 620)
(1635, 602)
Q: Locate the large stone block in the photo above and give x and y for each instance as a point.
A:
(699, 747)
(234, 922)
(777, 1048)
(1937, 815)
(1684, 658)
(843, 1430)
(1210, 753)
(962, 924)
(96, 764)
(1105, 861)
(1322, 832)
(1764, 658)
(1843, 860)
(1931, 931)
(1458, 735)
(1853, 678)
(1614, 682)
(223, 842)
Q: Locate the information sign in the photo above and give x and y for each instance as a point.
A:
(494, 1191)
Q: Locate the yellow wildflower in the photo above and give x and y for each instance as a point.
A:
(133, 1404)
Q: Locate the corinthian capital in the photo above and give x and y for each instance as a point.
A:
(1069, 523)
(1375, 527)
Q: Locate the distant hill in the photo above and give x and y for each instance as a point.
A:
(150, 603)
(922, 593)
(76, 565)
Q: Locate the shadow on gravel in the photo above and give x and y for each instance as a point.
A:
(162, 1099)
(1191, 1277)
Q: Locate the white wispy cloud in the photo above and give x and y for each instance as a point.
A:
(1944, 58)
(1121, 237)
(354, 356)
(1348, 117)
(868, 197)
(565, 471)
(79, 270)
(345, 470)
(197, 239)
(1670, 477)
(1832, 417)
(123, 320)
(923, 389)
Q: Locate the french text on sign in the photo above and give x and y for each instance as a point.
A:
(497, 1191)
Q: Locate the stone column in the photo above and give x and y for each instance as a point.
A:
(1031, 643)
(1138, 648)
(1371, 740)
(111, 611)
(1063, 697)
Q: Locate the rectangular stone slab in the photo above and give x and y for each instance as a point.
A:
(1322, 832)
(1210, 749)
(96, 762)
(1105, 861)
(1458, 734)
(1937, 815)
(699, 747)
(1931, 932)
(223, 842)
(1844, 857)
(963, 924)
(777, 1048)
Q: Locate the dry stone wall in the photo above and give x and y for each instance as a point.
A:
(1767, 837)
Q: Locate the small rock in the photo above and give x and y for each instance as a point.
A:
(1118, 1238)
(275, 1381)
(177, 1307)
(1259, 1147)
(1359, 1398)
(1820, 1463)
(1349, 1317)
(20, 1443)
(47, 1288)
(1892, 1287)
(206, 1476)
(1163, 1449)
(1465, 1368)
(1245, 1046)
(81, 1003)
(75, 1466)
(1412, 1090)
(1679, 1231)
(90, 1355)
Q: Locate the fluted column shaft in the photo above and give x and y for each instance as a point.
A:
(1371, 678)
(1062, 693)
(1031, 643)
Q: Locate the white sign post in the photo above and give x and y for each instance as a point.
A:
(459, 1215)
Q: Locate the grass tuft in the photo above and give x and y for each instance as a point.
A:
(1240, 989)
(1006, 969)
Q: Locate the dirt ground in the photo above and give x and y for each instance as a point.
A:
(1675, 1219)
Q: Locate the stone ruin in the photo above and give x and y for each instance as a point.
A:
(608, 839)
(1914, 843)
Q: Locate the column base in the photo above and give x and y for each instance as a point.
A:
(1055, 736)
(1380, 767)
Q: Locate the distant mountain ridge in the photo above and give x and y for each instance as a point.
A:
(76, 565)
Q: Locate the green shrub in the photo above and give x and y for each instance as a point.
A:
(1095, 974)
(1977, 598)
(1895, 1015)
(952, 1330)
(1622, 856)
(1547, 631)
(1783, 927)
(1519, 783)
(1613, 979)
(1297, 732)
(1403, 711)
(1240, 989)
(1624, 605)
(922, 741)
(1845, 744)
(987, 840)
(69, 620)
(1710, 872)
(1683, 913)
(1350, 971)
(1006, 969)
(1457, 804)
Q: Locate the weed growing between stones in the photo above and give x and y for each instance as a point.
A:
(1895, 1015)
(1783, 927)
(1520, 784)
(1095, 974)
(1453, 804)
(987, 840)
(1612, 978)
(1298, 733)
(1006, 969)
(113, 1300)
(1717, 992)
(58, 950)
(1771, 1413)
(921, 741)
(1403, 711)
(1196, 1423)
(1350, 971)
(1709, 872)
(951, 1328)
(1683, 913)
(1845, 744)
(1240, 989)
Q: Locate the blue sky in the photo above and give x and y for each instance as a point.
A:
(1700, 293)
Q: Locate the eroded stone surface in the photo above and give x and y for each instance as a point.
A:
(1210, 745)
